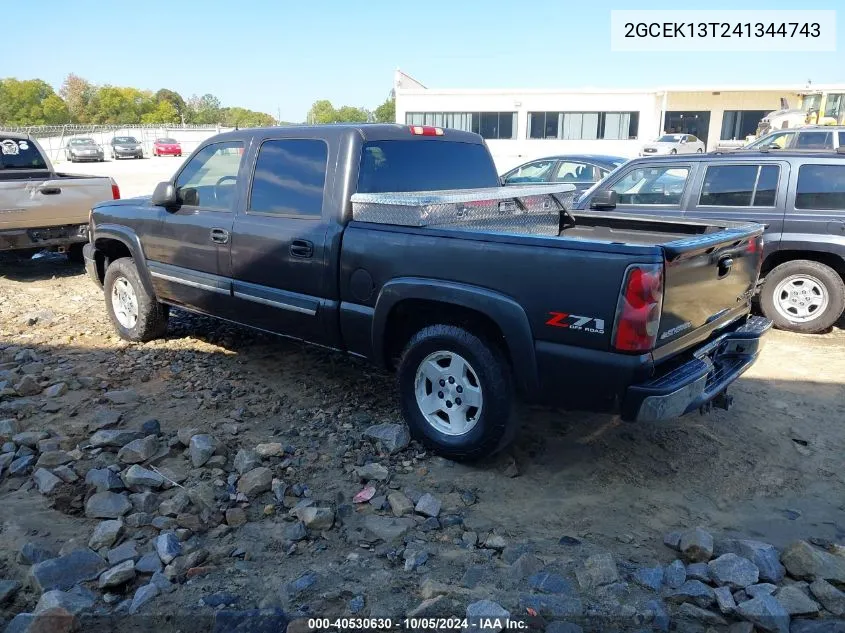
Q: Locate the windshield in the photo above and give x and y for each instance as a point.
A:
(20, 154)
(812, 102)
(124, 139)
(670, 138)
(82, 141)
(425, 166)
(167, 141)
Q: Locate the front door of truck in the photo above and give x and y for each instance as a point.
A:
(189, 258)
(279, 245)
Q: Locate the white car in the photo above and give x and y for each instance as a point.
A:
(674, 144)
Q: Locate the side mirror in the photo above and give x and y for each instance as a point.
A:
(604, 199)
(774, 146)
(165, 195)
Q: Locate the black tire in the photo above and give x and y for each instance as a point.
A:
(699, 151)
(824, 275)
(74, 254)
(492, 429)
(673, 151)
(152, 315)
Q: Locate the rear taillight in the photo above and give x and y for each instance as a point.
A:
(115, 191)
(426, 130)
(639, 307)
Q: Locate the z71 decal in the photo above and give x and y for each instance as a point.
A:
(576, 322)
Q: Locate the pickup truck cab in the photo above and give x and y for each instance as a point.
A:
(40, 208)
(397, 244)
(798, 196)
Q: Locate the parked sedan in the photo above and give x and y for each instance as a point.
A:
(167, 147)
(674, 144)
(581, 170)
(83, 148)
(126, 147)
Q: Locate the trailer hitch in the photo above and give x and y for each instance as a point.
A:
(721, 401)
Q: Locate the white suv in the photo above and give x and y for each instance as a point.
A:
(817, 138)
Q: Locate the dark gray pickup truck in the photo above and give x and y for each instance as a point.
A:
(397, 244)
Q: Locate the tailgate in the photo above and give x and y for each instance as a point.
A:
(708, 276)
(45, 201)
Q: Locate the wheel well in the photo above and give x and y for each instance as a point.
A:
(107, 251)
(409, 316)
(781, 257)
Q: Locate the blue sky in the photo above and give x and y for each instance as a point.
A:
(279, 56)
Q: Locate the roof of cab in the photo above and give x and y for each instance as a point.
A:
(736, 156)
(14, 135)
(367, 132)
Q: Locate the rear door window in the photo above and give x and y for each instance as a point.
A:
(18, 153)
(538, 171)
(821, 187)
(645, 185)
(739, 186)
(569, 171)
(814, 140)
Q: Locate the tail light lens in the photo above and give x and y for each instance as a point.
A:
(115, 190)
(639, 308)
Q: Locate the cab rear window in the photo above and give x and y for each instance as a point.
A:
(20, 154)
(418, 165)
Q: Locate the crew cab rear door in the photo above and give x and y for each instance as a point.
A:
(279, 252)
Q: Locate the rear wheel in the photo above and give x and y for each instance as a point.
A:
(74, 253)
(803, 296)
(135, 314)
(673, 151)
(699, 151)
(456, 392)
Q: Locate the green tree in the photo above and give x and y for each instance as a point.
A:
(350, 114)
(386, 112)
(164, 112)
(77, 94)
(30, 102)
(241, 117)
(112, 104)
(321, 112)
(204, 109)
(175, 99)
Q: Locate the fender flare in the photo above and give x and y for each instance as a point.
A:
(131, 240)
(506, 313)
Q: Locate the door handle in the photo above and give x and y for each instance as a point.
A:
(220, 236)
(302, 248)
(49, 191)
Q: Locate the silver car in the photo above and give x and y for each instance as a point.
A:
(674, 144)
(83, 148)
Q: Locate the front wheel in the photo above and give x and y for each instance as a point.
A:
(803, 296)
(456, 392)
(699, 151)
(673, 151)
(135, 314)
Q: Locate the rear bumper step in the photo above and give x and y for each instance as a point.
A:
(702, 381)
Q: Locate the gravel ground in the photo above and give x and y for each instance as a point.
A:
(575, 490)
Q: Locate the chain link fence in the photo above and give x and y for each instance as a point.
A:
(54, 138)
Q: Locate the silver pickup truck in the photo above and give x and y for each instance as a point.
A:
(40, 208)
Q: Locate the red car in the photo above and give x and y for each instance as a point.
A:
(167, 147)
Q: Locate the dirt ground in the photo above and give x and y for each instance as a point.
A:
(769, 469)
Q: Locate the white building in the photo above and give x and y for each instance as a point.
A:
(521, 125)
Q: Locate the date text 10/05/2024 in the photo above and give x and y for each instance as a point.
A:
(436, 624)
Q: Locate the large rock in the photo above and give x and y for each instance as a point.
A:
(107, 505)
(139, 476)
(142, 596)
(400, 505)
(116, 438)
(648, 577)
(105, 534)
(177, 504)
(688, 611)
(693, 591)
(32, 553)
(21, 466)
(9, 427)
(66, 571)
(806, 562)
(696, 545)
(8, 588)
(144, 501)
(104, 479)
(118, 575)
(832, 599)
(552, 606)
(255, 482)
(373, 472)
(387, 528)
(251, 621)
(123, 552)
(428, 505)
(149, 563)
(270, 449)
(763, 555)
(390, 438)
(316, 518)
(122, 396)
(138, 451)
(487, 616)
(734, 571)
(246, 460)
(766, 613)
(75, 601)
(51, 459)
(796, 602)
(201, 448)
(725, 600)
(675, 574)
(818, 626)
(168, 547)
(598, 570)
(46, 481)
(28, 386)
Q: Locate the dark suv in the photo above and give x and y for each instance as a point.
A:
(814, 138)
(799, 196)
